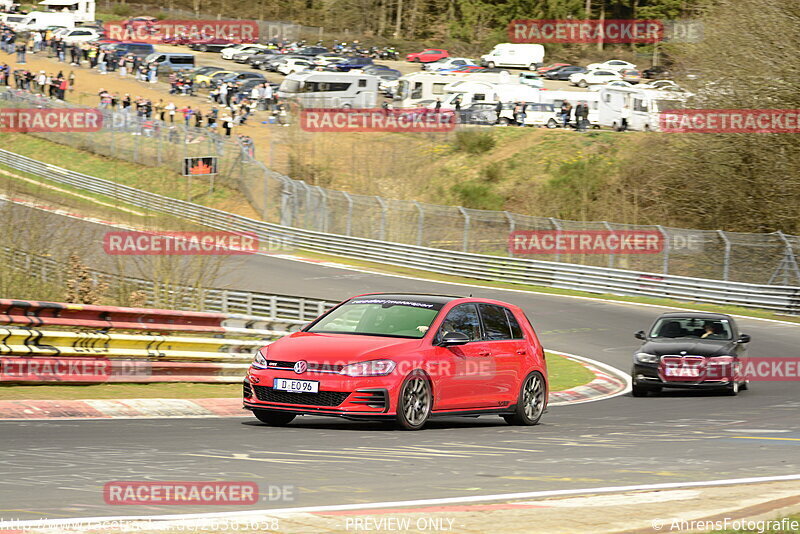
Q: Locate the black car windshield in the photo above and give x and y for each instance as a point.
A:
(376, 316)
(691, 327)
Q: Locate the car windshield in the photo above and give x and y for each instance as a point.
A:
(691, 327)
(377, 316)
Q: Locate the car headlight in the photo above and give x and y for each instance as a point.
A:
(370, 368)
(643, 357)
(259, 361)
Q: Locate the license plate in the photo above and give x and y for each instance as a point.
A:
(296, 386)
(681, 371)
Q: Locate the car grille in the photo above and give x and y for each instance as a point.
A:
(246, 391)
(323, 398)
(313, 367)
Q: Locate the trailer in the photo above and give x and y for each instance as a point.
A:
(312, 89)
(423, 88)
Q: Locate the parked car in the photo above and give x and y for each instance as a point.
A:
(448, 63)
(231, 51)
(349, 64)
(244, 57)
(172, 62)
(428, 55)
(311, 51)
(235, 77)
(612, 64)
(291, 66)
(657, 72)
(203, 71)
(211, 45)
(551, 66)
(257, 61)
(690, 350)
(631, 75)
(466, 69)
(378, 70)
(327, 58)
(80, 35)
(210, 79)
(612, 83)
(593, 77)
(403, 358)
(273, 64)
(531, 78)
(563, 73)
(141, 50)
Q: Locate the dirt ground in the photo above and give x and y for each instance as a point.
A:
(88, 84)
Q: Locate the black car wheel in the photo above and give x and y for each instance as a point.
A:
(202, 48)
(732, 389)
(414, 402)
(552, 124)
(273, 418)
(531, 401)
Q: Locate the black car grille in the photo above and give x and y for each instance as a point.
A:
(319, 367)
(323, 398)
(246, 391)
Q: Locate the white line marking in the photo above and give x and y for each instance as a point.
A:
(622, 375)
(399, 504)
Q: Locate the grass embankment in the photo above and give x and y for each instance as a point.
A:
(161, 180)
(564, 374)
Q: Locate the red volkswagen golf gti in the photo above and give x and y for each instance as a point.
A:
(405, 358)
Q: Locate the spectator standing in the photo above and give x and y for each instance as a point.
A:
(584, 116)
(578, 112)
(170, 108)
(566, 111)
(21, 49)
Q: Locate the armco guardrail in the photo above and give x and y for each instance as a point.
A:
(103, 350)
(784, 299)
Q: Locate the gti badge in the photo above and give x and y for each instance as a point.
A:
(301, 367)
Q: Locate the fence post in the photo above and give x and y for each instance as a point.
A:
(512, 225)
(726, 265)
(323, 209)
(465, 245)
(557, 227)
(349, 226)
(611, 255)
(420, 223)
(382, 203)
(666, 248)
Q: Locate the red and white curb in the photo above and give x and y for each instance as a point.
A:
(607, 384)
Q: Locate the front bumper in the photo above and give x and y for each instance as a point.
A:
(352, 397)
(648, 375)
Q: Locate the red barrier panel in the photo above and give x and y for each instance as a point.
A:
(35, 314)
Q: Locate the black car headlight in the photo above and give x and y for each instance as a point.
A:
(259, 361)
(644, 357)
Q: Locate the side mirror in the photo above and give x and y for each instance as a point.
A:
(640, 335)
(452, 339)
(744, 338)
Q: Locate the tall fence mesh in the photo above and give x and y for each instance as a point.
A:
(740, 257)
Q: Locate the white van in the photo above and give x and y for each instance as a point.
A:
(644, 106)
(35, 21)
(330, 89)
(529, 56)
(13, 20)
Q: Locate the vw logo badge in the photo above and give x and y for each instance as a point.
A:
(301, 367)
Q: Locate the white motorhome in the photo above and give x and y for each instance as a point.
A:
(415, 89)
(557, 98)
(474, 92)
(330, 89)
(643, 105)
(13, 20)
(81, 10)
(528, 56)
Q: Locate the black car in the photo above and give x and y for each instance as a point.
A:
(659, 72)
(690, 350)
(257, 60)
(311, 51)
(563, 73)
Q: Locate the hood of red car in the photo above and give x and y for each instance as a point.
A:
(341, 349)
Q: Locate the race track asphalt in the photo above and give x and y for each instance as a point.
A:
(54, 469)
